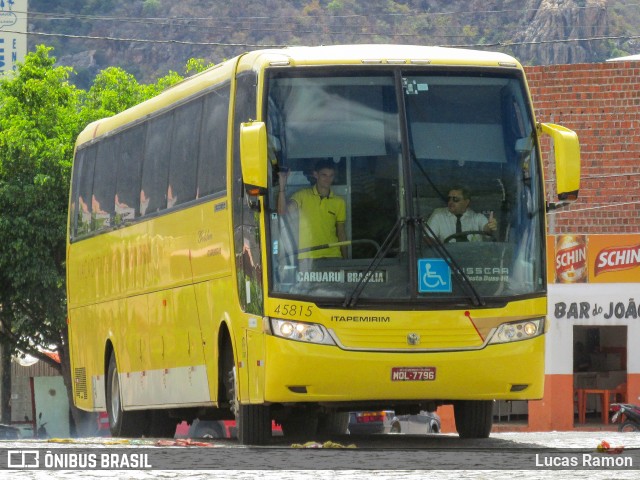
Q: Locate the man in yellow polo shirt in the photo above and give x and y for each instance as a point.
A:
(321, 213)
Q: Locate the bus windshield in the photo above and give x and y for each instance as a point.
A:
(403, 185)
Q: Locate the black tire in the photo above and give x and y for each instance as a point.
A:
(300, 424)
(334, 423)
(628, 426)
(253, 422)
(254, 425)
(122, 423)
(474, 418)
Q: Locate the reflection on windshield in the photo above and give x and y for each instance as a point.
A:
(465, 190)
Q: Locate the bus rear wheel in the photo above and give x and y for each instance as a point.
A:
(474, 418)
(122, 423)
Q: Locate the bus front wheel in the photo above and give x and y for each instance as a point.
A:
(253, 422)
(122, 423)
(474, 418)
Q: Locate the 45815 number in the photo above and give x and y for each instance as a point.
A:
(293, 310)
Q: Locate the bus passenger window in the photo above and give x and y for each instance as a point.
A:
(87, 164)
(212, 174)
(127, 197)
(104, 185)
(184, 154)
(155, 170)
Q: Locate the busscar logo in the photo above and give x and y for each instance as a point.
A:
(23, 459)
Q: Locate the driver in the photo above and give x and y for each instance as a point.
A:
(457, 218)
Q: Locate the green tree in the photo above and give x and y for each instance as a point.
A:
(38, 122)
(41, 114)
(115, 90)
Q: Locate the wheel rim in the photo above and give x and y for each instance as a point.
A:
(115, 396)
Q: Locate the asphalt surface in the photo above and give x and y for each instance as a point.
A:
(513, 455)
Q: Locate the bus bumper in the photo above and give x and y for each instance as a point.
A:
(302, 372)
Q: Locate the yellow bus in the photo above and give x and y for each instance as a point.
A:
(193, 295)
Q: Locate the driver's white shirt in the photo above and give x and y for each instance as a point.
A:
(443, 223)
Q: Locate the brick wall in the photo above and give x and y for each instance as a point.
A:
(601, 103)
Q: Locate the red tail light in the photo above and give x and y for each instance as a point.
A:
(368, 417)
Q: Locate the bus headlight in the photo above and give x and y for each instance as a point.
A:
(516, 331)
(301, 331)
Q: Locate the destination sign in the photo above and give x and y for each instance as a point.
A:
(342, 276)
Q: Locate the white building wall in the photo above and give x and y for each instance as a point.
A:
(590, 304)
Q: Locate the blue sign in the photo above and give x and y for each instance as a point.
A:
(434, 275)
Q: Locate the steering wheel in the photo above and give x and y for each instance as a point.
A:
(469, 232)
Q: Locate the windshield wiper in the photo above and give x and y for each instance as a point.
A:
(462, 278)
(458, 273)
(351, 299)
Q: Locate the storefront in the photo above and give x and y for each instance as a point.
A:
(593, 342)
(594, 336)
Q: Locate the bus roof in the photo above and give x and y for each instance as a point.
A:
(389, 54)
(371, 54)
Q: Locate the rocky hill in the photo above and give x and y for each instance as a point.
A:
(150, 37)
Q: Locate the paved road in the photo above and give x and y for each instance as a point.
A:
(503, 456)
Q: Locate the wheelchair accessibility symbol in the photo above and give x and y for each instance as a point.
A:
(434, 275)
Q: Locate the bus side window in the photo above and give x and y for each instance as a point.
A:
(184, 154)
(86, 165)
(212, 163)
(104, 185)
(155, 170)
(127, 197)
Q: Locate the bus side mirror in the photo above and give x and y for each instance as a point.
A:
(567, 157)
(253, 154)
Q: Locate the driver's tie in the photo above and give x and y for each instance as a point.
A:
(459, 230)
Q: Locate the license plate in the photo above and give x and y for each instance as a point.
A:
(413, 374)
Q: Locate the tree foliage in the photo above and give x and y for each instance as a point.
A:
(41, 113)
(115, 90)
(39, 120)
